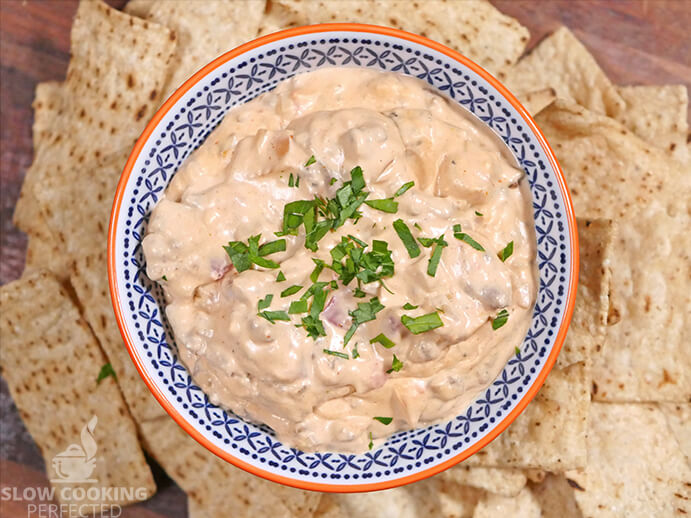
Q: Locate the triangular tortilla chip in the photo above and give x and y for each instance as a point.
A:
(505, 482)
(473, 27)
(51, 362)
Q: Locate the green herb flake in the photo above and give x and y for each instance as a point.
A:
(332, 181)
(480, 214)
(280, 277)
(423, 323)
(383, 420)
(319, 266)
(336, 353)
(365, 312)
(358, 293)
(272, 316)
(409, 306)
(355, 352)
(291, 291)
(291, 180)
(106, 370)
(501, 319)
(358, 241)
(466, 238)
(396, 365)
(433, 262)
(386, 205)
(518, 351)
(311, 160)
(371, 443)
(164, 278)
(244, 255)
(298, 306)
(506, 252)
(417, 226)
(265, 302)
(383, 340)
(406, 237)
(403, 189)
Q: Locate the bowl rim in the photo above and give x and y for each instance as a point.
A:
(383, 31)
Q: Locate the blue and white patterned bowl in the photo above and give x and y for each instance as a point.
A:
(182, 124)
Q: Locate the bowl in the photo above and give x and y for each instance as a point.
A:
(182, 124)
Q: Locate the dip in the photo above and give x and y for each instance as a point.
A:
(346, 256)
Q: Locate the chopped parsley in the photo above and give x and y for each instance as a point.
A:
(386, 205)
(244, 255)
(383, 340)
(272, 316)
(164, 278)
(518, 351)
(311, 160)
(280, 277)
(298, 306)
(506, 252)
(355, 352)
(383, 420)
(500, 319)
(408, 240)
(358, 293)
(396, 365)
(403, 189)
(291, 291)
(466, 238)
(106, 370)
(265, 302)
(293, 181)
(439, 245)
(480, 214)
(417, 226)
(337, 353)
(422, 324)
(319, 266)
(365, 312)
(371, 444)
(332, 181)
(409, 306)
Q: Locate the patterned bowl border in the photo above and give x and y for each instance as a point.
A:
(183, 123)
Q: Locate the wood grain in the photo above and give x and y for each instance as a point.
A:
(635, 42)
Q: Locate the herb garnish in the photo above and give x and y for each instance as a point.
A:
(383, 340)
(370, 441)
(408, 240)
(280, 277)
(383, 420)
(403, 189)
(386, 205)
(396, 365)
(265, 302)
(479, 213)
(355, 352)
(243, 256)
(314, 276)
(423, 323)
(337, 353)
(332, 181)
(164, 278)
(409, 306)
(500, 319)
(298, 306)
(293, 181)
(272, 316)
(106, 370)
(466, 238)
(365, 312)
(506, 252)
(518, 351)
(311, 160)
(291, 291)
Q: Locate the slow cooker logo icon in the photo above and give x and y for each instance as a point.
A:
(77, 463)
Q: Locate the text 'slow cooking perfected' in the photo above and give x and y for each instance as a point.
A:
(345, 257)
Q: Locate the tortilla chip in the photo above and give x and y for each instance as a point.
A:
(678, 416)
(205, 32)
(538, 100)
(90, 281)
(505, 482)
(587, 330)
(613, 174)
(473, 27)
(555, 497)
(139, 8)
(633, 468)
(524, 505)
(657, 114)
(218, 488)
(51, 361)
(550, 433)
(114, 82)
(561, 62)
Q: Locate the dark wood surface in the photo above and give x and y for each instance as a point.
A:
(635, 42)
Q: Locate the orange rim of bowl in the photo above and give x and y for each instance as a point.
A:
(162, 399)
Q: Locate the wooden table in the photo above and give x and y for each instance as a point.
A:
(635, 42)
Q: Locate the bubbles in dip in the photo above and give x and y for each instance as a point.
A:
(237, 184)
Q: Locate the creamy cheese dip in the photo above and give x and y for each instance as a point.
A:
(316, 393)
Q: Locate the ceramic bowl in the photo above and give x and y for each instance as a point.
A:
(182, 124)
